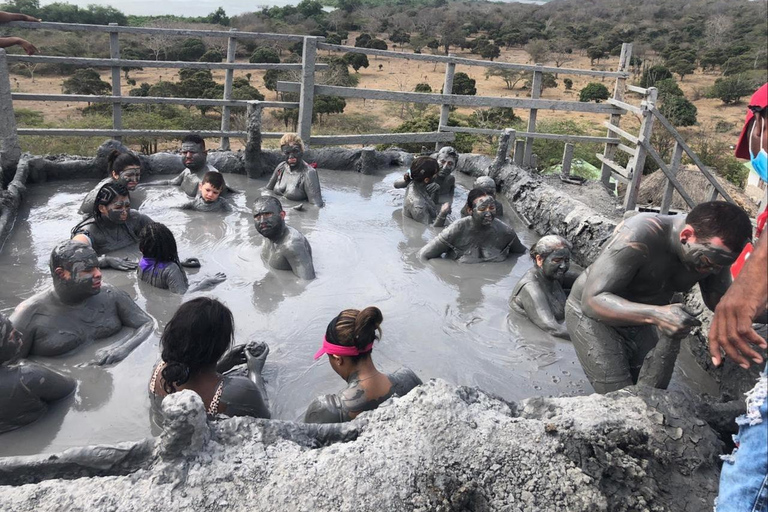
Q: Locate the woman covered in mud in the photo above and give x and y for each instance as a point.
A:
(419, 204)
(120, 166)
(348, 342)
(112, 225)
(160, 265)
(294, 178)
(539, 295)
(196, 355)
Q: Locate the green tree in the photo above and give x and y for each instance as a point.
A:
(594, 91)
(86, 81)
(463, 85)
(568, 83)
(356, 60)
(681, 67)
(679, 111)
(731, 89)
(211, 56)
(271, 77)
(363, 40)
(668, 88)
(510, 76)
(423, 87)
(264, 55)
(218, 17)
(333, 39)
(653, 74)
(190, 50)
(163, 89)
(327, 105)
(429, 123)
(400, 36)
(490, 52)
(595, 53)
(377, 44)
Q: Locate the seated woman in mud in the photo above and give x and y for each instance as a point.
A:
(348, 342)
(112, 225)
(447, 158)
(295, 179)
(540, 293)
(120, 166)
(486, 184)
(197, 354)
(26, 388)
(419, 204)
(160, 265)
(478, 238)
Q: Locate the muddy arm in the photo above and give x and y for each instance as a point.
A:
(301, 264)
(47, 384)
(274, 178)
(131, 315)
(435, 248)
(312, 188)
(537, 308)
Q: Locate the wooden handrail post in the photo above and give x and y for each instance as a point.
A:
(445, 110)
(636, 164)
(674, 166)
(114, 53)
(10, 151)
(519, 152)
(535, 94)
(565, 169)
(307, 99)
(229, 76)
(252, 160)
(618, 94)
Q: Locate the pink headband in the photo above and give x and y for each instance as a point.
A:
(340, 350)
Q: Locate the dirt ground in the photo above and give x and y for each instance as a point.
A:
(403, 75)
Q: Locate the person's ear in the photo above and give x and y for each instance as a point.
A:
(61, 273)
(539, 260)
(336, 360)
(103, 209)
(282, 214)
(115, 175)
(688, 234)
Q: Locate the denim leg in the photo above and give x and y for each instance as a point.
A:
(744, 477)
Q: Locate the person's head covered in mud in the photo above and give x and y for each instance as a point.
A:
(552, 255)
(75, 271)
(193, 153)
(269, 217)
(125, 167)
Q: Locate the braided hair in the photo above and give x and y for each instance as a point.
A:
(104, 197)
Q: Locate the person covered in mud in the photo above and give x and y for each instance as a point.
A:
(419, 203)
(541, 293)
(209, 198)
(447, 159)
(619, 314)
(197, 354)
(26, 388)
(348, 343)
(79, 308)
(112, 225)
(294, 178)
(478, 238)
(284, 248)
(195, 157)
(486, 184)
(120, 166)
(160, 265)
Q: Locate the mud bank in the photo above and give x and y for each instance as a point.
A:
(440, 448)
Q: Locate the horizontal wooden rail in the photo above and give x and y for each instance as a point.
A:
(382, 138)
(23, 96)
(625, 106)
(628, 150)
(85, 132)
(639, 90)
(536, 135)
(109, 63)
(624, 173)
(83, 27)
(470, 62)
(618, 131)
(454, 99)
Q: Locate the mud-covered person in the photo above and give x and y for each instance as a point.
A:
(294, 178)
(26, 388)
(348, 343)
(284, 248)
(540, 294)
(486, 184)
(447, 160)
(419, 203)
(619, 314)
(194, 156)
(481, 237)
(197, 354)
(79, 308)
(7, 42)
(209, 198)
(160, 265)
(111, 225)
(120, 166)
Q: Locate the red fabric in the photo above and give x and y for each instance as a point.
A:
(759, 99)
(744, 256)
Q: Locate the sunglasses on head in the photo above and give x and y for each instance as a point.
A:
(756, 109)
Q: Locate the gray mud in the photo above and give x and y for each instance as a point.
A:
(441, 319)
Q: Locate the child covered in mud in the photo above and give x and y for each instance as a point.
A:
(209, 198)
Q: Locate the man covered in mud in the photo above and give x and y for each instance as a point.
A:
(478, 238)
(619, 314)
(284, 248)
(78, 308)
(26, 388)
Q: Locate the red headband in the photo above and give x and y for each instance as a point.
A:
(340, 350)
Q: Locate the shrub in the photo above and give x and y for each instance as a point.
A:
(212, 56)
(653, 74)
(679, 111)
(568, 83)
(264, 55)
(731, 89)
(429, 123)
(594, 91)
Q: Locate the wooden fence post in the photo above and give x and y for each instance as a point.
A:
(618, 94)
(117, 108)
(535, 94)
(252, 160)
(636, 164)
(674, 166)
(565, 171)
(445, 110)
(10, 151)
(519, 152)
(505, 139)
(228, 78)
(307, 99)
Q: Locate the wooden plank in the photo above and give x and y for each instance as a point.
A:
(454, 99)
(548, 136)
(674, 166)
(670, 175)
(637, 163)
(712, 193)
(382, 138)
(82, 27)
(445, 109)
(108, 63)
(23, 96)
(618, 131)
(229, 76)
(628, 150)
(307, 89)
(609, 151)
(693, 156)
(469, 62)
(619, 177)
(615, 166)
(625, 106)
(66, 132)
(639, 90)
(532, 113)
(114, 54)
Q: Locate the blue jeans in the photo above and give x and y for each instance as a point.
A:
(744, 477)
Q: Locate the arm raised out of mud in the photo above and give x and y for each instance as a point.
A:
(516, 246)
(131, 315)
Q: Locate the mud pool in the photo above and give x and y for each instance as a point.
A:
(441, 319)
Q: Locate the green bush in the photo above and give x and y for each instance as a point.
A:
(26, 117)
(265, 55)
(668, 88)
(212, 56)
(731, 89)
(568, 83)
(429, 123)
(679, 111)
(653, 74)
(594, 91)
(550, 152)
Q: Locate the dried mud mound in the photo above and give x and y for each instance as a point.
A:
(440, 448)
